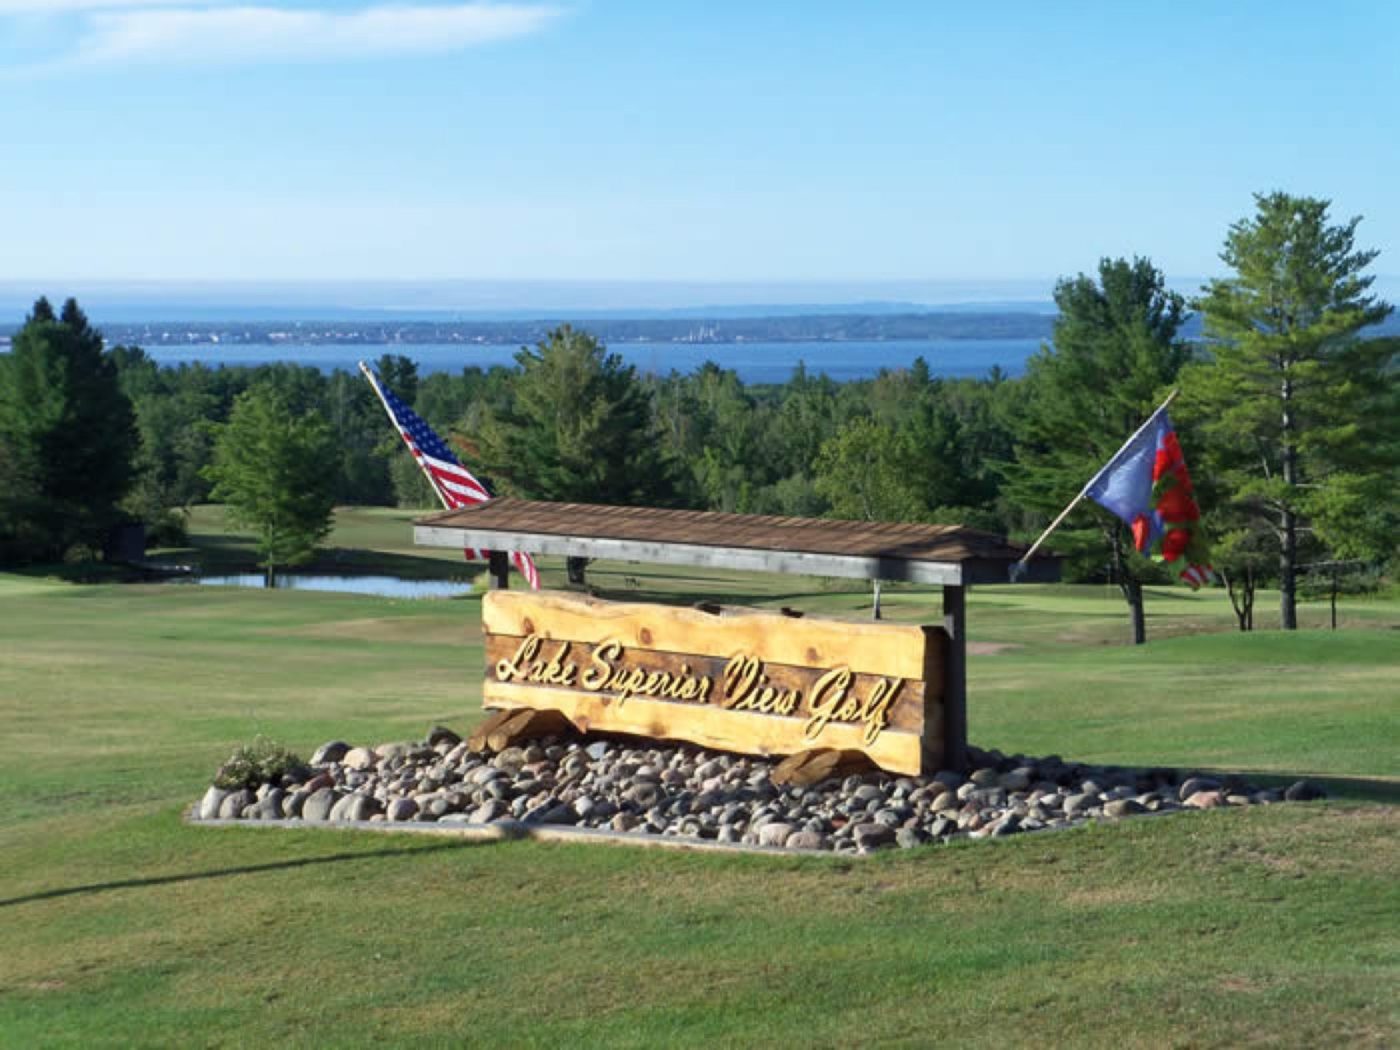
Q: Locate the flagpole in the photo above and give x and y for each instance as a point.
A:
(1018, 569)
(432, 483)
(374, 385)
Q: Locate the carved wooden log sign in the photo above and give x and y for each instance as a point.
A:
(738, 680)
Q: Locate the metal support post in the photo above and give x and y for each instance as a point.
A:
(955, 683)
(500, 571)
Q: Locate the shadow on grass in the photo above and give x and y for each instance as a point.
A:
(244, 869)
(1352, 789)
(74, 572)
(1338, 787)
(222, 554)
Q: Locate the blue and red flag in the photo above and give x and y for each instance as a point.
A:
(1146, 484)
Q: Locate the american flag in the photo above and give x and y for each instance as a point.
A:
(455, 485)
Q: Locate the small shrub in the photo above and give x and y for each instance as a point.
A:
(261, 762)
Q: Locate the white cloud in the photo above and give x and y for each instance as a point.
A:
(147, 32)
(56, 7)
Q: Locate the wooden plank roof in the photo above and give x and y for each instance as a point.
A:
(947, 554)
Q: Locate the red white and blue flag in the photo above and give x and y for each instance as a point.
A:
(455, 485)
(1146, 484)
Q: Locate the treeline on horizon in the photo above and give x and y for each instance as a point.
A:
(904, 445)
(1282, 485)
(704, 440)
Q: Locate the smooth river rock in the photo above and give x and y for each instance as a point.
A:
(332, 751)
(688, 793)
(360, 758)
(210, 803)
(234, 803)
(319, 805)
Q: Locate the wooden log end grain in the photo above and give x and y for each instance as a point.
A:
(812, 766)
(527, 724)
(477, 740)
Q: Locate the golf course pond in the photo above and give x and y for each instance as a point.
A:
(383, 586)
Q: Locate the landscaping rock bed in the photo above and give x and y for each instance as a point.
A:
(653, 789)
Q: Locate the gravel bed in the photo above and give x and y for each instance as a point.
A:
(656, 789)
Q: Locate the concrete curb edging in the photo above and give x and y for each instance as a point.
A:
(514, 830)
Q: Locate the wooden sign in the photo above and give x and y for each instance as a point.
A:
(738, 680)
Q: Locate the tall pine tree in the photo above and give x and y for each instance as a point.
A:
(1301, 412)
(579, 429)
(68, 438)
(1115, 352)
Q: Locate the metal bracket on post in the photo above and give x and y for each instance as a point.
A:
(500, 570)
(955, 683)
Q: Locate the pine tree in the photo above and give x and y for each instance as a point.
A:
(1115, 352)
(1301, 413)
(68, 435)
(579, 429)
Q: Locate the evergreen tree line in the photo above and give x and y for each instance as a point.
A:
(1290, 418)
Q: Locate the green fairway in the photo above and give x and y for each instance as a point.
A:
(366, 539)
(1270, 925)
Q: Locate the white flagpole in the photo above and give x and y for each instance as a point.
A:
(1019, 568)
(374, 383)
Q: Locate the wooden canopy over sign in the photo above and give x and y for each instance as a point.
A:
(939, 554)
(950, 555)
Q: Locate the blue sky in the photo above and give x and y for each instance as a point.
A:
(678, 141)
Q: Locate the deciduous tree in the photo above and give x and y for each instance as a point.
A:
(864, 472)
(275, 471)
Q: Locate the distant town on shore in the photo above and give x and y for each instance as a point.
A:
(777, 329)
(804, 328)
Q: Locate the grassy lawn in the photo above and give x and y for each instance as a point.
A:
(1272, 925)
(366, 539)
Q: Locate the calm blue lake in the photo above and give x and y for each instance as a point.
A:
(384, 586)
(754, 362)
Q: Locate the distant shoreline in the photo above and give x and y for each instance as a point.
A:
(716, 330)
(697, 329)
(753, 362)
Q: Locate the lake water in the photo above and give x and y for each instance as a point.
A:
(754, 362)
(383, 586)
